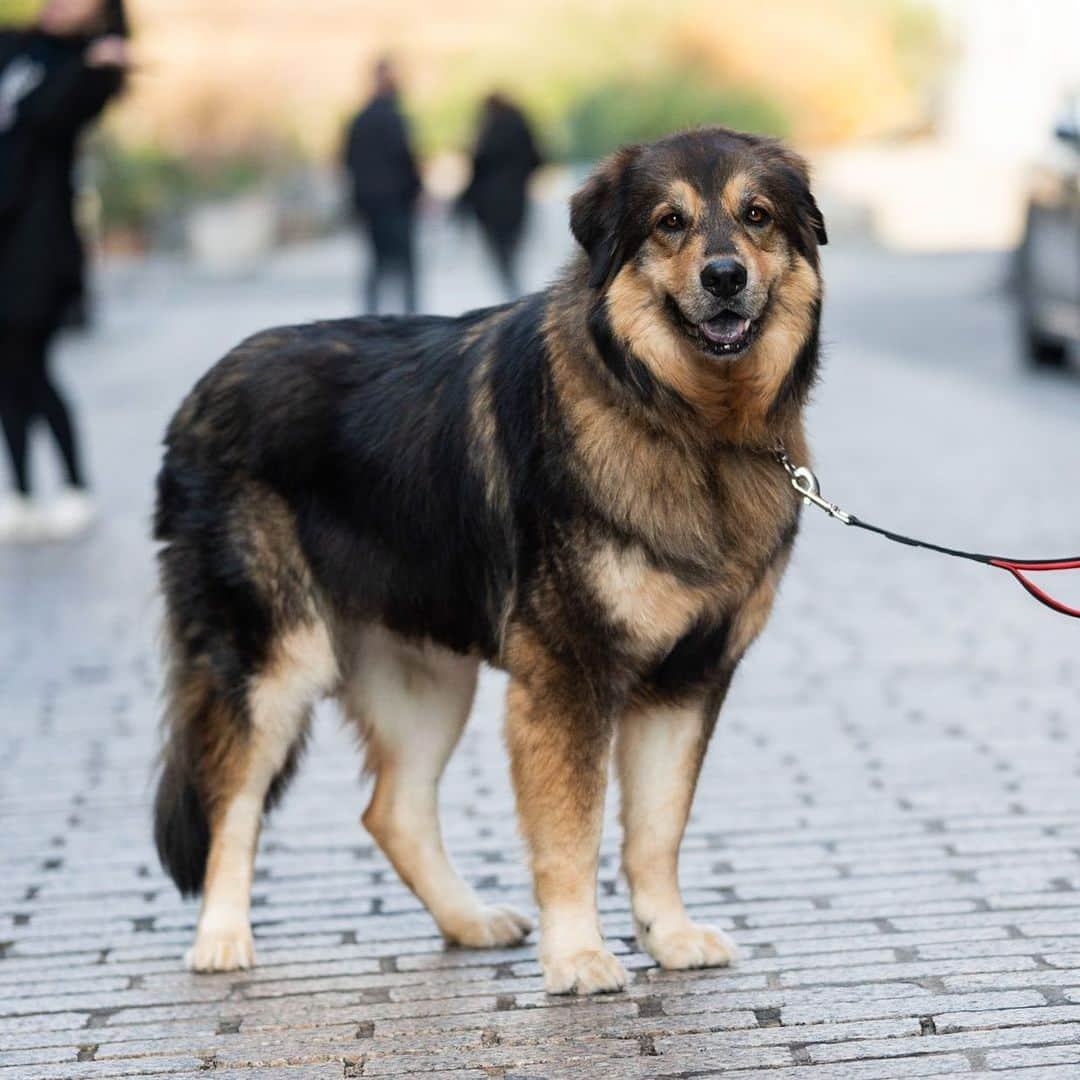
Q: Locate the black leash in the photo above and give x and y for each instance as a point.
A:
(806, 484)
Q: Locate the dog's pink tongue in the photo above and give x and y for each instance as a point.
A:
(725, 329)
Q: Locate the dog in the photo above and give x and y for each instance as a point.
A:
(578, 487)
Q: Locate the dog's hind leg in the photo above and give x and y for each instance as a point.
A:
(238, 769)
(659, 753)
(411, 703)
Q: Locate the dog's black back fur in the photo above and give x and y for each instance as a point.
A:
(361, 426)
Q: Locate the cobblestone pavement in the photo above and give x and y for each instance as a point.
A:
(887, 823)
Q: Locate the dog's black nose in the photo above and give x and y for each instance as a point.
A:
(724, 277)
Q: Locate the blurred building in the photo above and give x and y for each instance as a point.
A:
(1014, 65)
(1008, 71)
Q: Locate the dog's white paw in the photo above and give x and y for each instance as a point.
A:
(490, 927)
(224, 947)
(590, 971)
(687, 944)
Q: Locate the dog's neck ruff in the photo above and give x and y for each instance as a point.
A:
(624, 365)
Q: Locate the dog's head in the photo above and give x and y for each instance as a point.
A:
(704, 246)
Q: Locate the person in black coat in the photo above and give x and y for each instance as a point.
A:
(385, 186)
(55, 78)
(504, 158)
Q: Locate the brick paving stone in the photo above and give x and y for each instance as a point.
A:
(15, 1059)
(968, 1040)
(889, 824)
(1004, 979)
(184, 1065)
(327, 1071)
(948, 1022)
(893, 1069)
(807, 1035)
(1015, 1059)
(1035, 1072)
(908, 1004)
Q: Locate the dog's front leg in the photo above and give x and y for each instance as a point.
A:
(659, 755)
(559, 753)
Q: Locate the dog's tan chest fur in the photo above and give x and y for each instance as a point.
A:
(735, 537)
(651, 606)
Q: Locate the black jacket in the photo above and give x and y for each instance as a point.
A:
(41, 255)
(504, 159)
(378, 157)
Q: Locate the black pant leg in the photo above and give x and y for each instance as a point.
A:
(17, 366)
(52, 407)
(28, 393)
(408, 259)
(388, 224)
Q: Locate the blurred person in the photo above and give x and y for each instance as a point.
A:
(504, 158)
(55, 78)
(385, 186)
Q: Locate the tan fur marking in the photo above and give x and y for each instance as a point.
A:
(303, 666)
(264, 529)
(654, 607)
(485, 451)
(637, 318)
(479, 329)
(736, 193)
(681, 196)
(733, 194)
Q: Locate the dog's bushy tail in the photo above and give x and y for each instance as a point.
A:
(197, 715)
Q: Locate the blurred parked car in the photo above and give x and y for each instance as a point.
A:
(1048, 260)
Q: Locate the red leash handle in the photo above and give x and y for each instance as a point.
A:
(1016, 567)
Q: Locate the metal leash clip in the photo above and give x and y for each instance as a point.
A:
(806, 484)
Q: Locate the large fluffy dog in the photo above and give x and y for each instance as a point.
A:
(577, 487)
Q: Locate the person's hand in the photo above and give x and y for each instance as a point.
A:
(110, 51)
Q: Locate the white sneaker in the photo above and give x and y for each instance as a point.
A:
(21, 520)
(69, 515)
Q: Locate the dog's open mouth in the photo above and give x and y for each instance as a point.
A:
(725, 334)
(728, 331)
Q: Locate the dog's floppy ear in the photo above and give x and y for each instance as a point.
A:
(597, 215)
(797, 179)
(815, 218)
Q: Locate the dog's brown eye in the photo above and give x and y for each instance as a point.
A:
(672, 222)
(757, 215)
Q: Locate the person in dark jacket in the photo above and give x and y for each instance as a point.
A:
(55, 78)
(504, 158)
(385, 186)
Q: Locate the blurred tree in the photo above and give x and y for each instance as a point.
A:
(833, 69)
(625, 111)
(215, 81)
(18, 11)
(843, 69)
